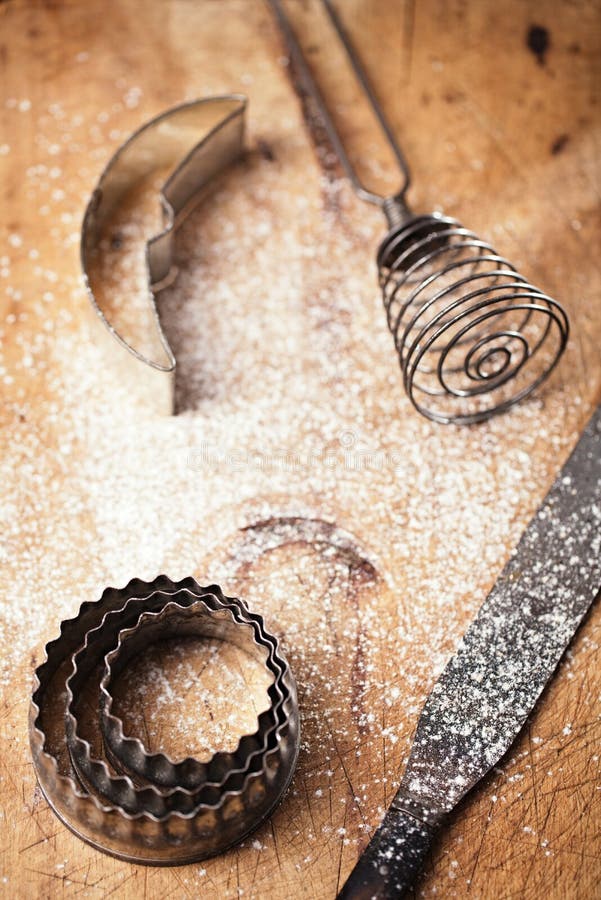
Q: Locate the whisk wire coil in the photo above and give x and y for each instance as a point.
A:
(473, 336)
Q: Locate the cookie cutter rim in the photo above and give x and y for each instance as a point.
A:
(140, 837)
(93, 772)
(128, 748)
(151, 816)
(159, 248)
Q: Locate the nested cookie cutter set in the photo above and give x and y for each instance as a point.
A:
(125, 800)
(467, 328)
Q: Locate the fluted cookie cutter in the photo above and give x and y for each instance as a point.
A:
(111, 804)
(177, 620)
(186, 146)
(199, 783)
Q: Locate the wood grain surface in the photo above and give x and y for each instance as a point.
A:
(296, 472)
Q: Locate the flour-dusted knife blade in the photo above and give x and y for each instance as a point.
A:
(482, 699)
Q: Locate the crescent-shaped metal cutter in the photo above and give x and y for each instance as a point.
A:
(140, 806)
(186, 146)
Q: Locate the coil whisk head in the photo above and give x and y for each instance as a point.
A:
(473, 336)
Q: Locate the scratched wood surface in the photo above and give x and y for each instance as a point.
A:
(368, 571)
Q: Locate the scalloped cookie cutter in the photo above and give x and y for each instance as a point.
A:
(143, 807)
(191, 143)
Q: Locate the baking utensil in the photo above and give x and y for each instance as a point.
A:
(473, 336)
(482, 699)
(186, 147)
(141, 806)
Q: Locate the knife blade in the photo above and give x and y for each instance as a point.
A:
(483, 697)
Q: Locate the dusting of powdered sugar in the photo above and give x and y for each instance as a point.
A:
(296, 473)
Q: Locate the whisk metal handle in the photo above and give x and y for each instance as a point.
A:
(391, 205)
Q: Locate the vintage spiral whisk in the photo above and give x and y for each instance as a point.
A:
(473, 336)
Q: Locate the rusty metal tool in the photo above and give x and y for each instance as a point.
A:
(484, 696)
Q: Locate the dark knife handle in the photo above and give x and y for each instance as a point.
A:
(393, 859)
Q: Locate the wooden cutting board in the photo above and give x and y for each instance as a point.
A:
(295, 472)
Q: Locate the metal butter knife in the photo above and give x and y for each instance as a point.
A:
(484, 696)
